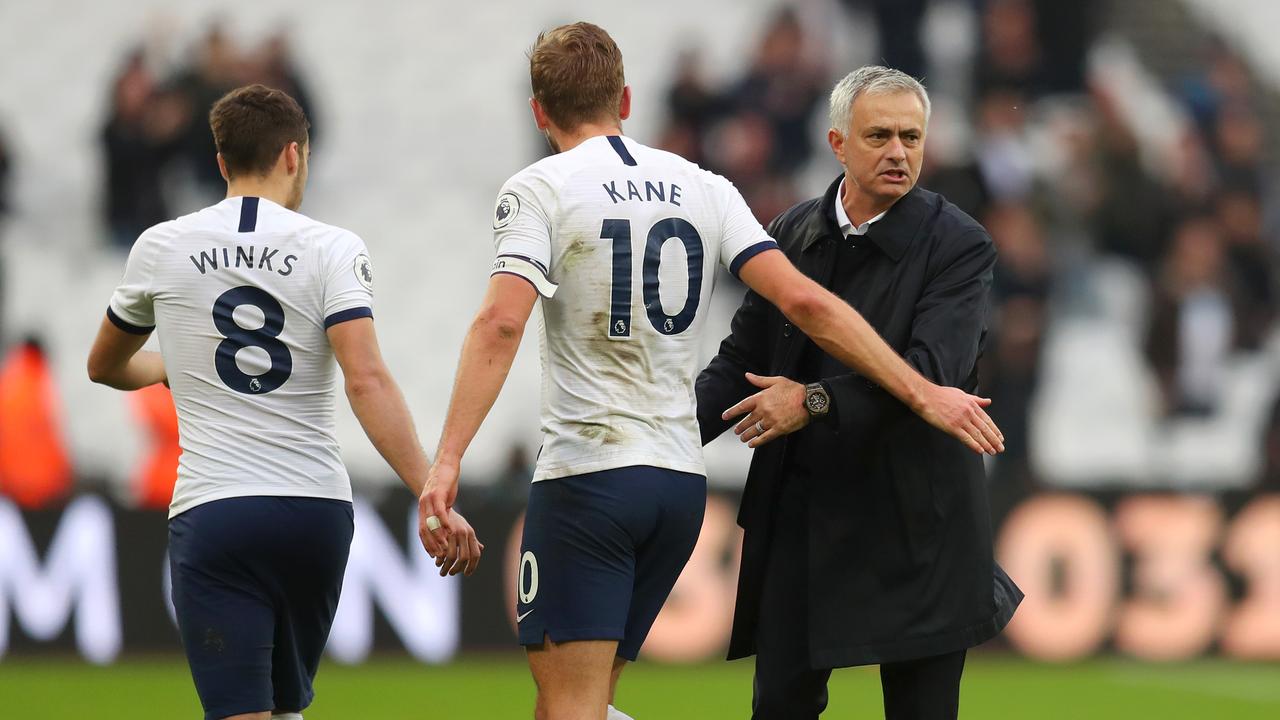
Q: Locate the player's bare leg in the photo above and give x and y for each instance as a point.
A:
(619, 664)
(573, 678)
(250, 716)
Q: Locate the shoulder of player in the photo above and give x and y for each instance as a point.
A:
(547, 173)
(314, 230)
(331, 238)
(536, 186)
(163, 233)
(668, 158)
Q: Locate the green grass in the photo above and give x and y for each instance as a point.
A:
(499, 687)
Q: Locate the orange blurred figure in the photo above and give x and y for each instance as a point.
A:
(158, 473)
(34, 468)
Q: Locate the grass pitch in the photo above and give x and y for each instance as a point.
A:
(500, 687)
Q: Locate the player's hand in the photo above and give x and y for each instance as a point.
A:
(436, 501)
(962, 416)
(462, 552)
(777, 410)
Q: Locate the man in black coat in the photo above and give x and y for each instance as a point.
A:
(867, 532)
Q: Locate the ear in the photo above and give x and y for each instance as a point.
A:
(222, 168)
(835, 139)
(624, 107)
(539, 115)
(292, 158)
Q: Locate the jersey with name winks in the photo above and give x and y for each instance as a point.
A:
(241, 295)
(622, 242)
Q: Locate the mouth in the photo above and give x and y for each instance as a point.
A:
(895, 175)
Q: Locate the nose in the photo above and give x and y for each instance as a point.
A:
(896, 151)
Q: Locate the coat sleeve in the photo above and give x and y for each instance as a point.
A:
(946, 335)
(723, 383)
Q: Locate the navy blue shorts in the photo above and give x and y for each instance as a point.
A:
(602, 551)
(255, 586)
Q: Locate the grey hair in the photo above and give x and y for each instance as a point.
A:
(872, 79)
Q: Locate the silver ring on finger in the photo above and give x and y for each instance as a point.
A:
(759, 427)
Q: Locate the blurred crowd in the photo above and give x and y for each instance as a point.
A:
(156, 140)
(1053, 169)
(1028, 142)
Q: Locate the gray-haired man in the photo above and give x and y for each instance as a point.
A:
(867, 534)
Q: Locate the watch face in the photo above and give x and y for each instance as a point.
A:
(816, 402)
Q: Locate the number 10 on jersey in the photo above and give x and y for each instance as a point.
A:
(619, 231)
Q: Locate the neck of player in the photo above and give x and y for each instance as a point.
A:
(277, 190)
(566, 140)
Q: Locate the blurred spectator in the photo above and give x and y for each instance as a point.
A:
(512, 486)
(1002, 148)
(158, 126)
(692, 103)
(1222, 79)
(5, 207)
(217, 70)
(1238, 145)
(1238, 212)
(1271, 450)
(1132, 218)
(35, 466)
(785, 88)
(1011, 54)
(275, 68)
(5, 170)
(141, 135)
(1193, 320)
(756, 131)
(692, 107)
(898, 25)
(1065, 32)
(1011, 366)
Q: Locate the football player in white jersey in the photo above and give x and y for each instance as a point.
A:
(252, 302)
(621, 242)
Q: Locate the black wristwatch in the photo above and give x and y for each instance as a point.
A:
(816, 400)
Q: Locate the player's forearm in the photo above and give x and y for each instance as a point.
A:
(382, 412)
(487, 354)
(848, 337)
(142, 369)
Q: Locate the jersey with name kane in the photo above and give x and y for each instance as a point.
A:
(241, 295)
(622, 242)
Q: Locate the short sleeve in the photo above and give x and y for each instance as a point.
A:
(522, 232)
(131, 308)
(348, 281)
(743, 238)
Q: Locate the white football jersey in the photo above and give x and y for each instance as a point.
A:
(241, 294)
(621, 241)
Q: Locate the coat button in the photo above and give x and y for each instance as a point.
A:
(788, 330)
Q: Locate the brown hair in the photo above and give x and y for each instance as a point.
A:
(252, 124)
(576, 74)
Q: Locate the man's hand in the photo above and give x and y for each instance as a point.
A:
(777, 410)
(961, 415)
(462, 549)
(435, 505)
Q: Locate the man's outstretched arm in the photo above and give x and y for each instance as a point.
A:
(379, 405)
(487, 353)
(847, 336)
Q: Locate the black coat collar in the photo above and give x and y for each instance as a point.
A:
(892, 233)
